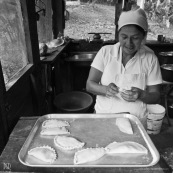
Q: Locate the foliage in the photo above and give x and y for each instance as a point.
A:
(159, 11)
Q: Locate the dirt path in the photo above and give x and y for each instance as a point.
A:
(87, 18)
(100, 18)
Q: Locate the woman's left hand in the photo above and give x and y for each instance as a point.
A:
(131, 95)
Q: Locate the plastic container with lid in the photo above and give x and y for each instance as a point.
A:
(155, 117)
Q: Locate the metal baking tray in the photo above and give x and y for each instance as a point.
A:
(96, 130)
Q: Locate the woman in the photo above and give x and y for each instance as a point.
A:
(126, 76)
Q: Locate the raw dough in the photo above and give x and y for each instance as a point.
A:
(44, 153)
(124, 125)
(126, 91)
(88, 155)
(55, 131)
(54, 123)
(68, 143)
(126, 147)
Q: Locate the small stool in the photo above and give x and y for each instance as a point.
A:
(166, 96)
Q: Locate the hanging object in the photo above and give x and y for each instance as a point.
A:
(40, 9)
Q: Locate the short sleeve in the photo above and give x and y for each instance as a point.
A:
(98, 61)
(154, 73)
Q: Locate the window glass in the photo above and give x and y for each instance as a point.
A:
(160, 18)
(88, 16)
(12, 39)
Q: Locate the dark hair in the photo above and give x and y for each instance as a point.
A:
(138, 28)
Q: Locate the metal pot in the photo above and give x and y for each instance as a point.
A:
(167, 72)
(170, 108)
(166, 57)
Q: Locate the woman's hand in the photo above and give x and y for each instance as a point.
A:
(131, 95)
(111, 90)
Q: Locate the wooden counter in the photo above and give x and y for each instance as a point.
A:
(53, 54)
(157, 43)
(51, 61)
(9, 159)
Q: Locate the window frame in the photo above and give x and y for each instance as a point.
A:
(31, 40)
(8, 91)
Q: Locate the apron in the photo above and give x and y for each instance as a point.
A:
(118, 104)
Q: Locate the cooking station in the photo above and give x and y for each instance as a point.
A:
(54, 66)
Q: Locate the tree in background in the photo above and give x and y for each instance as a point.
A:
(160, 11)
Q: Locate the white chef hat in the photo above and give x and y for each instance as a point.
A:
(137, 17)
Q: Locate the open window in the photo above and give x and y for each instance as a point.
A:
(160, 18)
(100, 16)
(13, 53)
(16, 50)
(90, 16)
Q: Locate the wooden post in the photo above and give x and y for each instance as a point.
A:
(118, 9)
(30, 27)
(3, 114)
(58, 19)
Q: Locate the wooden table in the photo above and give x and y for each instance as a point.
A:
(9, 159)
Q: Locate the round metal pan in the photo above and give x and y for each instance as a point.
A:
(167, 72)
(166, 57)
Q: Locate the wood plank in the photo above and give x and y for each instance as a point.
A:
(30, 28)
(22, 128)
(19, 100)
(58, 19)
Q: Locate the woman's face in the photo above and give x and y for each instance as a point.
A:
(130, 39)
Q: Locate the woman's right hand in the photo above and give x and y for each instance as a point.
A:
(112, 90)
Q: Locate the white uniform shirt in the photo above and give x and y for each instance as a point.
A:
(140, 71)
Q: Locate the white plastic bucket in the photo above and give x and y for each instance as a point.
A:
(155, 117)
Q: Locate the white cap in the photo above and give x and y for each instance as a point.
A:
(136, 17)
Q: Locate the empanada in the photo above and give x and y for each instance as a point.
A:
(54, 131)
(88, 155)
(54, 123)
(126, 147)
(44, 153)
(124, 125)
(124, 90)
(68, 143)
